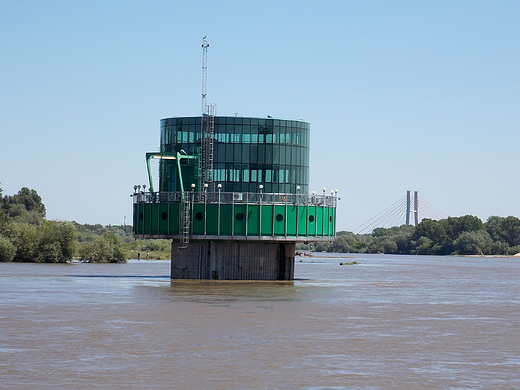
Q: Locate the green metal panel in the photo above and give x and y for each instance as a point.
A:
(311, 221)
(197, 219)
(164, 218)
(302, 220)
(211, 219)
(290, 221)
(334, 221)
(331, 222)
(280, 219)
(239, 220)
(326, 226)
(174, 218)
(318, 221)
(266, 214)
(145, 214)
(136, 225)
(135, 217)
(252, 220)
(226, 216)
(143, 217)
(154, 220)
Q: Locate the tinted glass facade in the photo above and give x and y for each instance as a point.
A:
(248, 152)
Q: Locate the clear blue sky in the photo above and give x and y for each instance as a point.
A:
(401, 95)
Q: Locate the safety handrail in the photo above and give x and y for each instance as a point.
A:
(237, 198)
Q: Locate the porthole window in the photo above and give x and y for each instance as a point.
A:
(141, 216)
(164, 216)
(198, 216)
(279, 217)
(239, 217)
(311, 218)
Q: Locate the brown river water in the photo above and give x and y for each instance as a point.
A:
(390, 322)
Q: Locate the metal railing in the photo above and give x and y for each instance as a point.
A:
(237, 198)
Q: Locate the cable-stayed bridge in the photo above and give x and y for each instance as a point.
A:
(407, 210)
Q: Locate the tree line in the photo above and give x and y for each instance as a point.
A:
(26, 235)
(466, 235)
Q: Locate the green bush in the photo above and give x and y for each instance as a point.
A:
(107, 248)
(473, 243)
(7, 249)
(26, 239)
(150, 245)
(58, 242)
(50, 242)
(514, 250)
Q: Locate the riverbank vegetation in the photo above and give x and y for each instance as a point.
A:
(26, 235)
(466, 235)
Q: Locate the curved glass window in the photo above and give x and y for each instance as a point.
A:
(247, 152)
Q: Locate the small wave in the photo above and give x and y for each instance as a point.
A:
(122, 276)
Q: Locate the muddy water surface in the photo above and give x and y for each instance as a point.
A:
(390, 322)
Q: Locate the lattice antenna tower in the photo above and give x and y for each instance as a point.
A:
(205, 46)
(207, 127)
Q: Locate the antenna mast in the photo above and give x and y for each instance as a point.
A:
(205, 46)
(207, 127)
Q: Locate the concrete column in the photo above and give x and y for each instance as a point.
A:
(233, 260)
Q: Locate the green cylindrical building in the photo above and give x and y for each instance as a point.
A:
(234, 197)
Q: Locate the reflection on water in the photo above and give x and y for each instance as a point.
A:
(391, 322)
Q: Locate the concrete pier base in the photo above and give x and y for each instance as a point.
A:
(233, 260)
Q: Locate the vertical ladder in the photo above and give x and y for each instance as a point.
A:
(184, 222)
(207, 148)
(210, 137)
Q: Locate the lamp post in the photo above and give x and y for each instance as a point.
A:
(219, 186)
(323, 212)
(260, 211)
(334, 211)
(297, 208)
(205, 207)
(192, 201)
